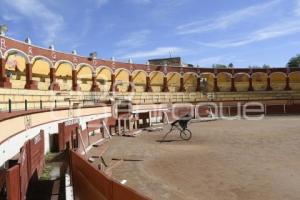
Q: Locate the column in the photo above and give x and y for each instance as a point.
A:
(287, 83)
(250, 84)
(113, 87)
(233, 89)
(130, 86)
(269, 88)
(181, 89)
(75, 86)
(198, 87)
(30, 84)
(95, 87)
(216, 88)
(148, 84)
(53, 84)
(4, 80)
(165, 84)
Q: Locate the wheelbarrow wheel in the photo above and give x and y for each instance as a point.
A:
(186, 134)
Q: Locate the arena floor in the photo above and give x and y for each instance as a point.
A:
(235, 159)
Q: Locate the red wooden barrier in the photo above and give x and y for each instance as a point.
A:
(67, 134)
(89, 183)
(13, 183)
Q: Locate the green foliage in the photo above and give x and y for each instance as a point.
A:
(294, 62)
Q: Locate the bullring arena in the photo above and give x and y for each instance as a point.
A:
(77, 127)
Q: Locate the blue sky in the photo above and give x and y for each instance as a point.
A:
(204, 32)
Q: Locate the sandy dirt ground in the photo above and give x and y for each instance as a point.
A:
(234, 159)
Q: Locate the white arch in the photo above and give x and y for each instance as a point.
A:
(119, 69)
(173, 73)
(209, 73)
(56, 65)
(293, 73)
(230, 75)
(157, 72)
(11, 51)
(1, 55)
(259, 73)
(84, 64)
(193, 73)
(101, 67)
(285, 75)
(241, 73)
(35, 58)
(139, 70)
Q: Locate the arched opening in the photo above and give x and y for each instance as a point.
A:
(103, 77)
(41, 73)
(173, 80)
(224, 81)
(241, 82)
(139, 80)
(209, 77)
(15, 69)
(278, 81)
(64, 76)
(295, 80)
(84, 77)
(156, 81)
(190, 82)
(122, 80)
(259, 81)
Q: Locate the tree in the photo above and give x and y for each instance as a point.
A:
(230, 65)
(294, 62)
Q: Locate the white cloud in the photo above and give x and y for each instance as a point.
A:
(280, 29)
(135, 39)
(43, 18)
(160, 51)
(226, 21)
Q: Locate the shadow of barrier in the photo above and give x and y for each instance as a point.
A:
(89, 183)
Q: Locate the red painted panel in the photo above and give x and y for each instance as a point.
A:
(13, 183)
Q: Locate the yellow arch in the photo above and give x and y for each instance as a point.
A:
(139, 80)
(84, 77)
(16, 66)
(224, 81)
(190, 81)
(259, 81)
(173, 79)
(210, 81)
(278, 81)
(295, 80)
(156, 81)
(64, 75)
(41, 73)
(122, 79)
(103, 77)
(241, 82)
